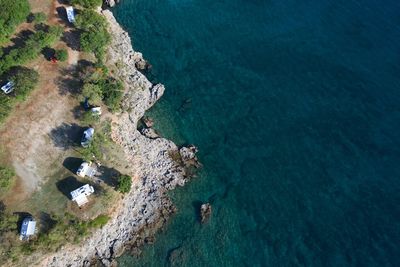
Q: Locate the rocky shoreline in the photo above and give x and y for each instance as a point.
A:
(157, 166)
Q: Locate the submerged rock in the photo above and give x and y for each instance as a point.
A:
(188, 155)
(205, 212)
(148, 122)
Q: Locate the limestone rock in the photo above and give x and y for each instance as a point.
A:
(149, 133)
(205, 212)
(188, 155)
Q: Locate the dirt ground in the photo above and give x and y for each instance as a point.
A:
(34, 137)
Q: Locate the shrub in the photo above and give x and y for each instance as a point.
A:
(87, 3)
(12, 13)
(99, 221)
(61, 55)
(6, 177)
(124, 183)
(39, 17)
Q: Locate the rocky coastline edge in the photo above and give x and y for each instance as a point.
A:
(157, 166)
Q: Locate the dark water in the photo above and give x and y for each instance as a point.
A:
(294, 106)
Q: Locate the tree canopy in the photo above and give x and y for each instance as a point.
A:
(89, 19)
(95, 36)
(12, 13)
(87, 3)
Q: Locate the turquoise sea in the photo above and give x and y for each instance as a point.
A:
(295, 107)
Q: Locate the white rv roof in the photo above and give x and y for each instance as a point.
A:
(70, 13)
(85, 190)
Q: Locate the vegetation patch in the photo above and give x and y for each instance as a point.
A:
(25, 80)
(7, 176)
(94, 37)
(98, 86)
(61, 54)
(31, 48)
(39, 17)
(124, 183)
(87, 3)
(12, 13)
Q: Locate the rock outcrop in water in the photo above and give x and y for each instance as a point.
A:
(146, 208)
(205, 212)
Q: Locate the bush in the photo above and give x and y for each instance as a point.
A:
(6, 177)
(87, 3)
(61, 55)
(99, 221)
(124, 183)
(39, 17)
(12, 13)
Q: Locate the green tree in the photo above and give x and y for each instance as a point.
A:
(31, 48)
(24, 81)
(90, 20)
(61, 55)
(87, 3)
(124, 183)
(95, 41)
(112, 93)
(12, 13)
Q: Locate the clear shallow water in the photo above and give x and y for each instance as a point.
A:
(295, 108)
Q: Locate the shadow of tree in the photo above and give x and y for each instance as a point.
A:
(108, 175)
(46, 222)
(68, 82)
(67, 135)
(18, 41)
(48, 53)
(67, 185)
(72, 164)
(72, 39)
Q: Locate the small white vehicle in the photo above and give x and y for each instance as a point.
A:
(87, 137)
(70, 14)
(86, 169)
(8, 87)
(96, 111)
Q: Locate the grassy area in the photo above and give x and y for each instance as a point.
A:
(61, 221)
